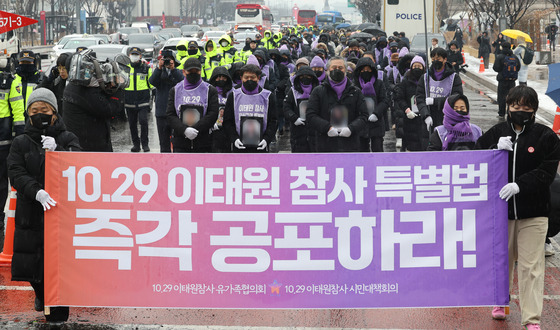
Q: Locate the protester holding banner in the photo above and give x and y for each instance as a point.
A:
(295, 107)
(534, 152)
(337, 110)
(192, 110)
(366, 78)
(250, 113)
(456, 133)
(44, 131)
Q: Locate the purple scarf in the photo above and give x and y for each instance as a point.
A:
(338, 87)
(253, 92)
(188, 86)
(306, 90)
(322, 77)
(438, 75)
(457, 126)
(367, 87)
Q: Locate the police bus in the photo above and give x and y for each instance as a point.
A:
(408, 16)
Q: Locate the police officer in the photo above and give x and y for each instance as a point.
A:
(137, 99)
(27, 77)
(12, 123)
(228, 51)
(192, 110)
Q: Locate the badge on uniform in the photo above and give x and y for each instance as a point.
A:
(18, 89)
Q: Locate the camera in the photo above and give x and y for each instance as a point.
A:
(167, 61)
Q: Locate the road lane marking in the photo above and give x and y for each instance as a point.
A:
(15, 288)
(546, 296)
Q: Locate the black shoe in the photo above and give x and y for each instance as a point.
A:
(146, 149)
(58, 314)
(135, 149)
(39, 305)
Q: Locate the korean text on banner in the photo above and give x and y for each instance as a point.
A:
(276, 231)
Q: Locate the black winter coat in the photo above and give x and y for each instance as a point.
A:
(321, 102)
(382, 101)
(87, 114)
(26, 169)
(416, 134)
(537, 152)
(163, 82)
(57, 86)
(203, 141)
(484, 48)
(436, 110)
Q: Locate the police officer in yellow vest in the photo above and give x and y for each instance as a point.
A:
(213, 59)
(267, 41)
(228, 51)
(27, 77)
(137, 99)
(192, 51)
(12, 123)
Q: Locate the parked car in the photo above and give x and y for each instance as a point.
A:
(61, 42)
(191, 31)
(418, 42)
(212, 35)
(150, 44)
(129, 30)
(145, 27)
(239, 38)
(109, 51)
(175, 32)
(105, 37)
(73, 43)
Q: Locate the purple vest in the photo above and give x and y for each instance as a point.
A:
(197, 97)
(250, 106)
(380, 75)
(291, 67)
(223, 99)
(442, 132)
(440, 88)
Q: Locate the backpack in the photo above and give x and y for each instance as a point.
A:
(528, 56)
(509, 71)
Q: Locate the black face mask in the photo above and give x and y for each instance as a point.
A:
(521, 118)
(261, 61)
(437, 65)
(27, 68)
(41, 120)
(366, 75)
(221, 83)
(306, 80)
(336, 75)
(394, 50)
(193, 78)
(192, 51)
(416, 73)
(319, 73)
(250, 85)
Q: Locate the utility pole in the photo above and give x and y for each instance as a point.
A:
(78, 18)
(502, 21)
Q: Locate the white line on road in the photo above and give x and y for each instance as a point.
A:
(546, 297)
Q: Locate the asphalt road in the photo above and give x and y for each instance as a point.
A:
(16, 307)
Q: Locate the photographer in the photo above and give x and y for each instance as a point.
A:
(164, 77)
(56, 80)
(91, 99)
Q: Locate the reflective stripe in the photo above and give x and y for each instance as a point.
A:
(19, 123)
(135, 105)
(5, 142)
(17, 98)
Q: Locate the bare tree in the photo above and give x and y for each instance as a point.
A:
(369, 9)
(93, 7)
(487, 12)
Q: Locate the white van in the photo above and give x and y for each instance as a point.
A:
(144, 26)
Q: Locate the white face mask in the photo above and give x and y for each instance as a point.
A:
(224, 44)
(134, 58)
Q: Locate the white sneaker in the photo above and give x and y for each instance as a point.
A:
(548, 250)
(398, 144)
